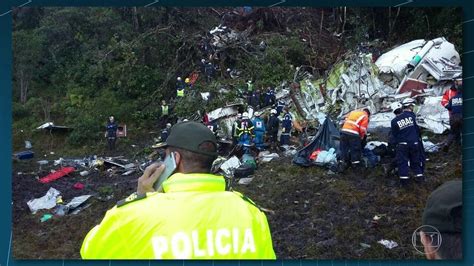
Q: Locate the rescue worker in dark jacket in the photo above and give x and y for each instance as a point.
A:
(111, 133)
(254, 100)
(273, 125)
(279, 107)
(286, 125)
(406, 134)
(455, 119)
(213, 126)
(353, 134)
(269, 99)
(165, 132)
(397, 108)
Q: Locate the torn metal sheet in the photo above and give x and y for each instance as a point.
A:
(433, 116)
(51, 126)
(380, 122)
(48, 201)
(415, 66)
(392, 64)
(223, 112)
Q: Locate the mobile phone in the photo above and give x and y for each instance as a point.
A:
(170, 167)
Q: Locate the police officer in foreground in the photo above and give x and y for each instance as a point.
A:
(406, 135)
(194, 218)
(443, 212)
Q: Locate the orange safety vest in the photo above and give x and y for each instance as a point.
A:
(447, 96)
(356, 123)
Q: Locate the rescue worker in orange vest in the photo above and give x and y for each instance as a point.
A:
(457, 82)
(353, 134)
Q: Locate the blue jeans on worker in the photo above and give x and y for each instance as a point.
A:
(285, 139)
(409, 156)
(259, 138)
(351, 148)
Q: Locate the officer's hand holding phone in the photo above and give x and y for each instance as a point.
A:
(155, 174)
(149, 177)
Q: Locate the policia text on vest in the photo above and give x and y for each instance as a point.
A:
(224, 242)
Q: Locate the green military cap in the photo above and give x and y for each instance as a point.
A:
(444, 207)
(189, 136)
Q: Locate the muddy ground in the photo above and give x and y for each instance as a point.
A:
(312, 213)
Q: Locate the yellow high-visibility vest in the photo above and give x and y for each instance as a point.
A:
(164, 110)
(195, 218)
(180, 93)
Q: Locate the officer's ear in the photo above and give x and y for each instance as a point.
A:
(177, 158)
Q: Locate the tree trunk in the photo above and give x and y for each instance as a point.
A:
(46, 106)
(23, 87)
(136, 23)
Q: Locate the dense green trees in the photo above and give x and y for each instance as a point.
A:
(76, 66)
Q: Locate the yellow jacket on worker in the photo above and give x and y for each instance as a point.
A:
(195, 218)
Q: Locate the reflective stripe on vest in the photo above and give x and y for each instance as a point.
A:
(350, 131)
(352, 123)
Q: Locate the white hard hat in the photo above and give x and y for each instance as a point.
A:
(257, 114)
(185, 120)
(273, 111)
(179, 78)
(228, 70)
(395, 106)
(408, 101)
(168, 125)
(245, 114)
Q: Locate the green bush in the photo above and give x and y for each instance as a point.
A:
(19, 111)
(86, 130)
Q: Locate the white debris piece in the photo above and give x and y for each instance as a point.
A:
(380, 120)
(266, 157)
(48, 201)
(46, 125)
(430, 146)
(433, 116)
(374, 144)
(75, 202)
(205, 95)
(245, 181)
(223, 112)
(390, 244)
(230, 165)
